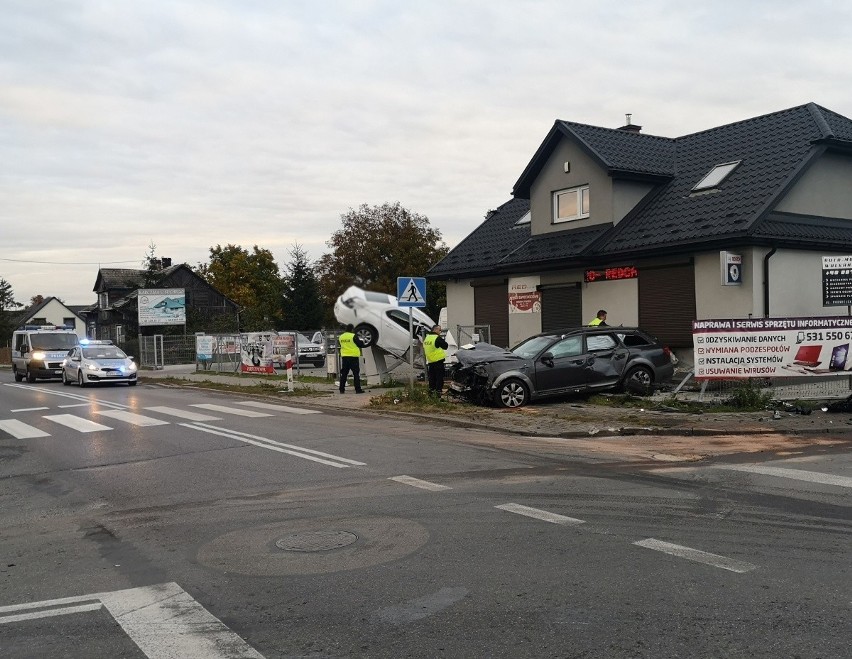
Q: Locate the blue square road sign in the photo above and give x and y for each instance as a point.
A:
(411, 291)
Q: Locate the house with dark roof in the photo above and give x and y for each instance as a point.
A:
(115, 315)
(730, 222)
(50, 311)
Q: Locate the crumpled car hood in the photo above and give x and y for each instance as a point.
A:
(485, 353)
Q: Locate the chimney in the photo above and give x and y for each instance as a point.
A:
(629, 127)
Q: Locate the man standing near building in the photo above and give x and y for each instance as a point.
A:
(600, 319)
(350, 359)
(434, 347)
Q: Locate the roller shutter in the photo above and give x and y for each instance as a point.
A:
(491, 307)
(561, 307)
(667, 303)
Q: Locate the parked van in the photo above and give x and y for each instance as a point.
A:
(38, 352)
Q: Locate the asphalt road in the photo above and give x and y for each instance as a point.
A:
(153, 522)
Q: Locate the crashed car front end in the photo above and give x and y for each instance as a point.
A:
(476, 370)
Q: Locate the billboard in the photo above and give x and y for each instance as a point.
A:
(772, 347)
(162, 306)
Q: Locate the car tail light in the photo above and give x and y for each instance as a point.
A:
(667, 352)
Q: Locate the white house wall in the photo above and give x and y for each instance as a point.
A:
(619, 298)
(55, 313)
(460, 308)
(713, 300)
(795, 285)
(825, 189)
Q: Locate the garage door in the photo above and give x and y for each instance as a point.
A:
(561, 306)
(491, 307)
(667, 303)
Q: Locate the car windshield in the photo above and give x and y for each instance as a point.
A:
(531, 347)
(49, 341)
(303, 340)
(103, 352)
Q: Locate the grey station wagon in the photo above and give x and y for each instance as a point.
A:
(569, 361)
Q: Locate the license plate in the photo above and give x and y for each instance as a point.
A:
(113, 375)
(57, 372)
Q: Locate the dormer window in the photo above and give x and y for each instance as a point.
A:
(716, 176)
(526, 219)
(572, 204)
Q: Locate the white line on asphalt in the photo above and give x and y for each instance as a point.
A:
(163, 621)
(184, 414)
(49, 613)
(72, 396)
(539, 514)
(76, 423)
(272, 445)
(696, 555)
(62, 407)
(132, 417)
(21, 430)
(229, 410)
(416, 482)
(280, 408)
(30, 409)
(796, 474)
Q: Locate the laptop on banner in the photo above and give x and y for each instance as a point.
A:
(808, 356)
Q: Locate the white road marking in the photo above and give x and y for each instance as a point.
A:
(30, 409)
(62, 407)
(280, 447)
(49, 613)
(188, 415)
(162, 620)
(21, 430)
(795, 474)
(76, 423)
(281, 408)
(696, 555)
(229, 410)
(132, 417)
(416, 482)
(67, 394)
(539, 514)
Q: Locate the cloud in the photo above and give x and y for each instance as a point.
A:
(190, 124)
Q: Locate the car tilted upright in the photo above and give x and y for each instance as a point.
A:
(556, 363)
(98, 362)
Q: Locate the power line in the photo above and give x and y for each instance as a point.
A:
(72, 262)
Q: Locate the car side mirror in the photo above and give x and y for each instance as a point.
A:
(75, 359)
(547, 359)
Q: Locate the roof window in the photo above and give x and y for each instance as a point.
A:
(716, 176)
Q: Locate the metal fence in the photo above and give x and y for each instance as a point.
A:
(473, 334)
(780, 389)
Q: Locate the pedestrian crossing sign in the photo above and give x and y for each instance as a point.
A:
(411, 291)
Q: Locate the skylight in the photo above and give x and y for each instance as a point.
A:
(716, 175)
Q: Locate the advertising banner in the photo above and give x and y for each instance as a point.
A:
(204, 347)
(836, 281)
(772, 347)
(256, 353)
(161, 306)
(524, 297)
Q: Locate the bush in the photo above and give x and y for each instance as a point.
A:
(749, 396)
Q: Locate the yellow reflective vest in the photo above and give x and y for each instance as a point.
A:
(433, 353)
(594, 323)
(348, 347)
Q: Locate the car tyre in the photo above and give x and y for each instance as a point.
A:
(80, 380)
(30, 376)
(639, 380)
(512, 393)
(366, 334)
(65, 379)
(19, 377)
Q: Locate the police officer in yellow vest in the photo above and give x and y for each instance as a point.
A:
(600, 319)
(434, 346)
(350, 359)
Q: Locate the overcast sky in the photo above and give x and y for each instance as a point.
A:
(193, 123)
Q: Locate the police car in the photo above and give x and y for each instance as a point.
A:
(98, 362)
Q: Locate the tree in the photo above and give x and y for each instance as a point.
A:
(302, 305)
(153, 266)
(376, 245)
(36, 299)
(7, 303)
(251, 279)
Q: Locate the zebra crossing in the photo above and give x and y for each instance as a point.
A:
(118, 412)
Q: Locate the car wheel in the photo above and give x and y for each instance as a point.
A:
(18, 376)
(367, 335)
(65, 379)
(319, 364)
(30, 376)
(638, 380)
(512, 393)
(80, 380)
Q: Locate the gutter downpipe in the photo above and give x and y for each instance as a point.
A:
(766, 258)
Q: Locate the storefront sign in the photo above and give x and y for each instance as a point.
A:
(524, 297)
(772, 347)
(611, 274)
(836, 281)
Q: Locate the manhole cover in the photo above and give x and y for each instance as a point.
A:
(315, 540)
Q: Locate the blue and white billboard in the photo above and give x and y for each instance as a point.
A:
(162, 306)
